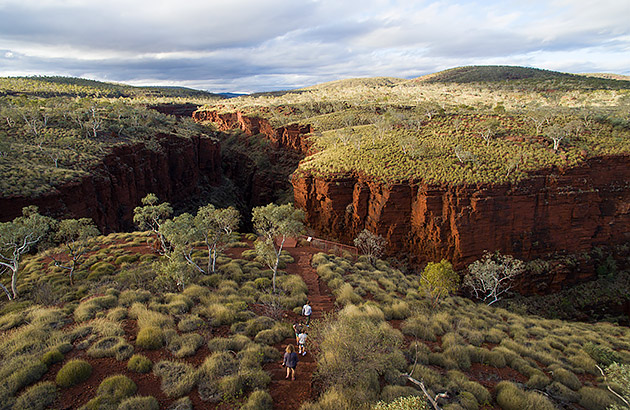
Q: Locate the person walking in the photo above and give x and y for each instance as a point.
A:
(290, 361)
(306, 311)
(302, 342)
(297, 328)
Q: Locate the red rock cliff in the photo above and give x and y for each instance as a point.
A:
(552, 211)
(292, 136)
(115, 186)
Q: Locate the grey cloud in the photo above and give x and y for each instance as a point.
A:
(248, 45)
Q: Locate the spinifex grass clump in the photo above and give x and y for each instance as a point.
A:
(459, 337)
(139, 363)
(73, 372)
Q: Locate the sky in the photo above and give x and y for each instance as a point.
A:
(263, 45)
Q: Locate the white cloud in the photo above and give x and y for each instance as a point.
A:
(250, 45)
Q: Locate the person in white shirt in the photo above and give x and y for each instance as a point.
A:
(302, 343)
(306, 311)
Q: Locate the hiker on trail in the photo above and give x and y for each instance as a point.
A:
(302, 342)
(290, 361)
(297, 328)
(306, 311)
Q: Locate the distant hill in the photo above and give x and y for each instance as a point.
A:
(57, 86)
(471, 74)
(355, 82)
(607, 76)
(526, 76)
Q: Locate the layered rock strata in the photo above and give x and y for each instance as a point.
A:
(553, 211)
(172, 170)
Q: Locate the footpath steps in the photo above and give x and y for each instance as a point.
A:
(290, 394)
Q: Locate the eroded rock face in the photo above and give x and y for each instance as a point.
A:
(552, 211)
(115, 186)
(292, 136)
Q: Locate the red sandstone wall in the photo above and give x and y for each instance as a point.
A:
(291, 136)
(552, 211)
(114, 187)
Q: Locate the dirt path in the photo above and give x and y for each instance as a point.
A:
(288, 394)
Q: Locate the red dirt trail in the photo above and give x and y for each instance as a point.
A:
(290, 394)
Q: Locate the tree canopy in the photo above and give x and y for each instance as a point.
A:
(17, 238)
(274, 224)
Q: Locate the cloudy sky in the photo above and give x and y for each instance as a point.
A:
(260, 45)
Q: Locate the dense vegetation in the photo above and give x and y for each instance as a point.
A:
(53, 130)
(469, 125)
(210, 342)
(204, 318)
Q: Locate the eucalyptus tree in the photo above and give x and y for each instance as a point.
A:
(212, 226)
(151, 216)
(274, 224)
(74, 235)
(18, 237)
(215, 227)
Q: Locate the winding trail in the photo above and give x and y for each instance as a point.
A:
(288, 394)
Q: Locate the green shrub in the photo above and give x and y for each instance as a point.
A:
(185, 345)
(37, 397)
(234, 343)
(593, 398)
(129, 297)
(73, 372)
(218, 365)
(346, 295)
(111, 346)
(603, 355)
(536, 401)
(255, 325)
(100, 269)
(101, 403)
(538, 381)
(482, 394)
(219, 314)
(403, 403)
(468, 401)
(117, 314)
(232, 386)
(419, 326)
(150, 338)
(262, 283)
(190, 323)
(567, 378)
(254, 355)
(88, 309)
(459, 355)
(139, 403)
(139, 364)
(560, 392)
(177, 378)
(258, 400)
(51, 357)
(117, 387)
(255, 379)
(510, 397)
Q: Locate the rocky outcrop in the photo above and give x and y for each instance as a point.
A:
(173, 171)
(292, 136)
(552, 211)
